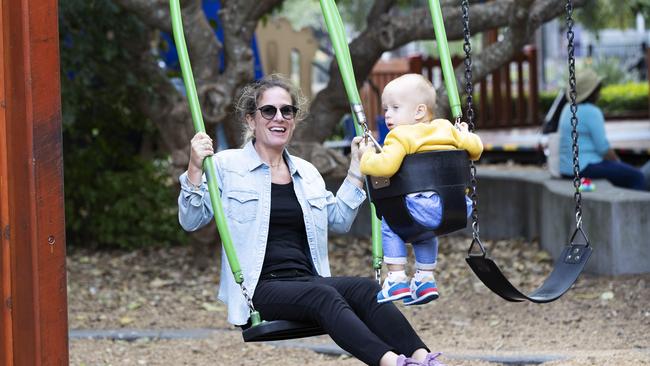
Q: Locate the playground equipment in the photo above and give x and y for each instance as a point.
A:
(451, 187)
(573, 259)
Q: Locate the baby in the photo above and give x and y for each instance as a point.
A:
(409, 102)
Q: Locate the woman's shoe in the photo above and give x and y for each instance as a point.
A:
(432, 360)
(407, 361)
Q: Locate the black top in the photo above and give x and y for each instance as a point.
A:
(287, 250)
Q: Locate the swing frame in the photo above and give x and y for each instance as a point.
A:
(567, 267)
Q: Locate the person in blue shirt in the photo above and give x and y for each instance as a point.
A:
(597, 160)
(278, 212)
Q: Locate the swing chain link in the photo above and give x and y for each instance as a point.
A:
(249, 300)
(469, 90)
(574, 110)
(378, 275)
(357, 109)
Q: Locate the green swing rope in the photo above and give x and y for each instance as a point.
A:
(344, 61)
(208, 165)
(445, 59)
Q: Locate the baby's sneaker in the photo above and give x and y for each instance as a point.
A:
(394, 289)
(422, 291)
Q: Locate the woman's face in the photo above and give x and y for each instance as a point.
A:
(275, 131)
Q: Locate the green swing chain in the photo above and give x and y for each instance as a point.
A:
(454, 98)
(208, 165)
(343, 59)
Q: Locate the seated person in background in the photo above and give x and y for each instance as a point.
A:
(597, 160)
(409, 102)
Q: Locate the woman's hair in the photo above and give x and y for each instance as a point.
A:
(251, 93)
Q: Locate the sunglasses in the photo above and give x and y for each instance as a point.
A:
(269, 111)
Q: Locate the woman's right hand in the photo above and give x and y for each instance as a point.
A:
(201, 147)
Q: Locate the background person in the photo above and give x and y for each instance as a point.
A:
(597, 160)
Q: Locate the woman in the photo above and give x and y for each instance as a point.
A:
(597, 159)
(278, 212)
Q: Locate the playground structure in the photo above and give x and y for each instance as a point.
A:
(34, 317)
(33, 324)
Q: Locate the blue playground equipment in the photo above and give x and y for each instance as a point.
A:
(211, 8)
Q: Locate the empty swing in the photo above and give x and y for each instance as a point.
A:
(575, 255)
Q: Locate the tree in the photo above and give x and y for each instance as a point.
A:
(389, 25)
(601, 14)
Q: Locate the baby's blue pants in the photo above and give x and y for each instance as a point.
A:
(426, 209)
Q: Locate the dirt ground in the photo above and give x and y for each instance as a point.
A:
(600, 321)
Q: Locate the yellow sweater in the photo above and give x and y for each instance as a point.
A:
(438, 134)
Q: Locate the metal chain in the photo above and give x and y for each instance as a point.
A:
(574, 109)
(469, 90)
(249, 300)
(357, 109)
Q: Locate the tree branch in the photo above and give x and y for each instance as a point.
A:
(378, 8)
(388, 32)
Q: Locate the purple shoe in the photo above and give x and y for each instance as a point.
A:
(407, 361)
(432, 360)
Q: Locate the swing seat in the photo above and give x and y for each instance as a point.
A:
(446, 172)
(278, 330)
(566, 270)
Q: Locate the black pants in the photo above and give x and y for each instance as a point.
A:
(346, 308)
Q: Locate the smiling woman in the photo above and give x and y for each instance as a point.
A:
(278, 213)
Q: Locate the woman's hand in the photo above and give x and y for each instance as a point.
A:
(201, 147)
(356, 151)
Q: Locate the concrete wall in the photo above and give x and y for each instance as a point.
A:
(530, 204)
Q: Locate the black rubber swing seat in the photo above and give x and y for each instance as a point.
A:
(446, 172)
(277, 330)
(565, 272)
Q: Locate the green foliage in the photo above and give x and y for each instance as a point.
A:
(546, 99)
(113, 196)
(621, 98)
(612, 73)
(617, 99)
(600, 14)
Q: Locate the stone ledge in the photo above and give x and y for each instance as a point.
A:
(529, 203)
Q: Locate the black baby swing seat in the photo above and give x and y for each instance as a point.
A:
(445, 172)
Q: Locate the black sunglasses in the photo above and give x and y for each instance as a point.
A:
(269, 111)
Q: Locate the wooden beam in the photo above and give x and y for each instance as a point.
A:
(6, 341)
(33, 192)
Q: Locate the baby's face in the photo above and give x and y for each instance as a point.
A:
(399, 109)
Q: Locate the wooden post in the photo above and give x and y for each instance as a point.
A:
(521, 97)
(34, 307)
(647, 62)
(6, 341)
(533, 88)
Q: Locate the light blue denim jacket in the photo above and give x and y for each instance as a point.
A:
(245, 184)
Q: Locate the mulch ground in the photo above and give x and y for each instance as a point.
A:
(601, 320)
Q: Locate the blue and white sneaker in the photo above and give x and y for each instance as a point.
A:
(422, 292)
(394, 290)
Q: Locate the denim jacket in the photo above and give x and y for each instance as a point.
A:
(245, 184)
